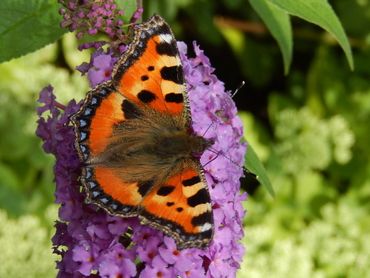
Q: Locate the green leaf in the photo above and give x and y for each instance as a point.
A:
(254, 165)
(321, 13)
(278, 22)
(128, 7)
(27, 25)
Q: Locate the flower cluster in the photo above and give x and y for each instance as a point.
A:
(90, 241)
(93, 17)
(31, 239)
(300, 132)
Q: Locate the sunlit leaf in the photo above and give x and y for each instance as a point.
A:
(321, 13)
(27, 25)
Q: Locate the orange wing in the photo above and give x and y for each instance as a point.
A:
(181, 207)
(150, 73)
(95, 120)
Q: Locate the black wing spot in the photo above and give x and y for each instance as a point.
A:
(203, 218)
(179, 209)
(201, 197)
(130, 110)
(144, 77)
(170, 204)
(150, 68)
(173, 97)
(145, 187)
(165, 190)
(174, 74)
(191, 181)
(165, 48)
(146, 96)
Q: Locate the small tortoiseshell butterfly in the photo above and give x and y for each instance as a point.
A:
(134, 137)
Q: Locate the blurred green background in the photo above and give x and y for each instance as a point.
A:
(310, 128)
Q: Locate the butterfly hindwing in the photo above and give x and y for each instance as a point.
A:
(150, 73)
(105, 189)
(181, 207)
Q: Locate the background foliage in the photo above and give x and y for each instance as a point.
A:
(310, 127)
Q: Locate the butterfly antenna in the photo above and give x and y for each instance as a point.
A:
(228, 158)
(238, 89)
(211, 159)
(207, 129)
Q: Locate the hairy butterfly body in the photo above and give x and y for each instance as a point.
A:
(134, 137)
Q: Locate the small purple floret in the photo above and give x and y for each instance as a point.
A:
(100, 67)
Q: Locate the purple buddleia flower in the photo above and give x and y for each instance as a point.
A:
(100, 67)
(101, 70)
(90, 17)
(117, 262)
(96, 17)
(137, 14)
(91, 242)
(157, 268)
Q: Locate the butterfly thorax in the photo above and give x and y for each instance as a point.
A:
(179, 145)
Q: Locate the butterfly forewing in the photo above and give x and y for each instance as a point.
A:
(151, 73)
